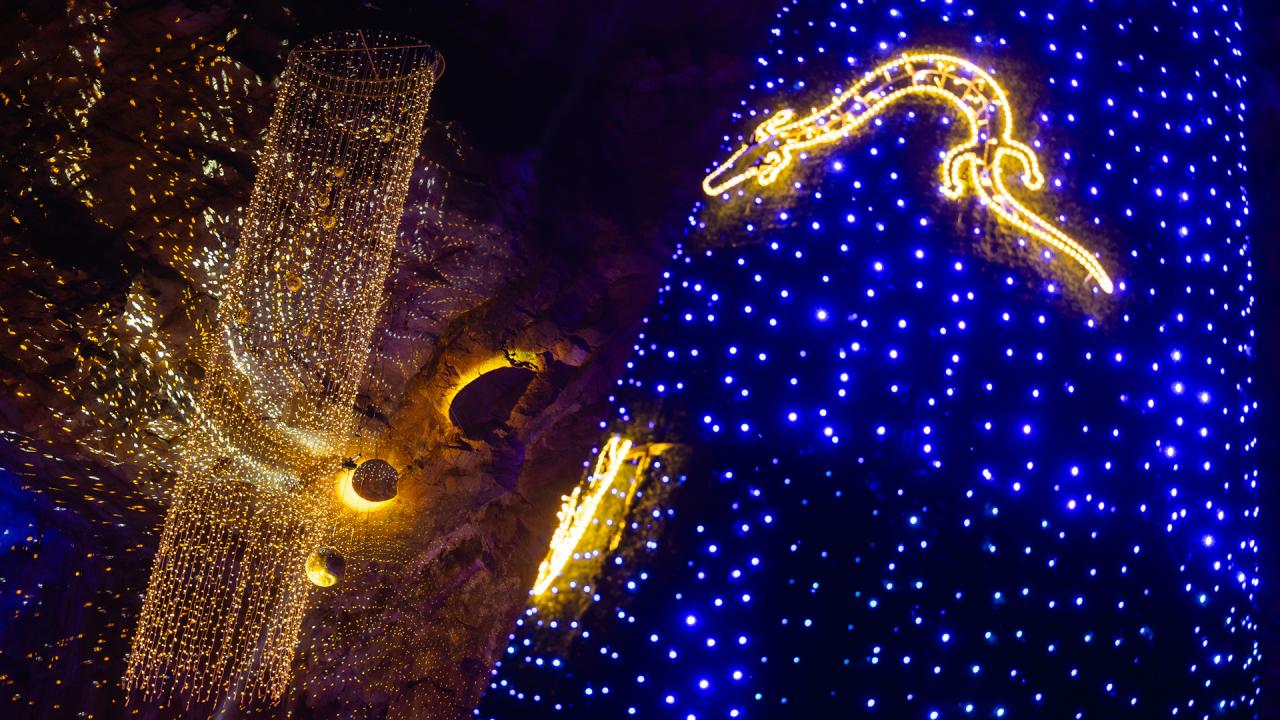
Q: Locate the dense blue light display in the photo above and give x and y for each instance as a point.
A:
(936, 475)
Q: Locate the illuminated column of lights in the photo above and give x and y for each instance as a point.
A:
(979, 162)
(255, 492)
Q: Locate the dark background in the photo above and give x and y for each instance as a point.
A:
(1263, 53)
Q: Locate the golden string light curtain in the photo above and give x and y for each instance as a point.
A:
(255, 491)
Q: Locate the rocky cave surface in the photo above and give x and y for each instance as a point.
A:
(553, 183)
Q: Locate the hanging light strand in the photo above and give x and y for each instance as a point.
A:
(275, 416)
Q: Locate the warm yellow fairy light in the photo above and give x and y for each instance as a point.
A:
(276, 414)
(579, 509)
(979, 162)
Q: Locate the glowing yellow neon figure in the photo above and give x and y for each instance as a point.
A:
(578, 511)
(978, 162)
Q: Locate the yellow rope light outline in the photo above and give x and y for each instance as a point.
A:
(977, 163)
(577, 512)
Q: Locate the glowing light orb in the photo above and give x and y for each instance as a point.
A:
(350, 498)
(374, 481)
(325, 567)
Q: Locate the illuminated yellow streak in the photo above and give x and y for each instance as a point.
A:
(578, 511)
(646, 453)
(977, 162)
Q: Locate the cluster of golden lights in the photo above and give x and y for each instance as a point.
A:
(255, 504)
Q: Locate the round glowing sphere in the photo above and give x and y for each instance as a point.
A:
(374, 480)
(325, 566)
